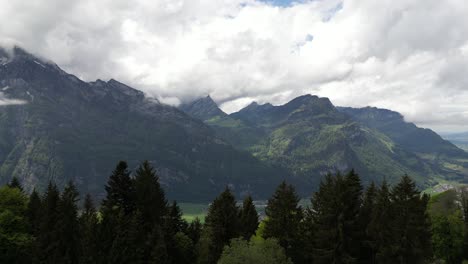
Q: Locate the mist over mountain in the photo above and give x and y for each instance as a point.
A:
(54, 126)
(62, 128)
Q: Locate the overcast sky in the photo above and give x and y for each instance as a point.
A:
(407, 55)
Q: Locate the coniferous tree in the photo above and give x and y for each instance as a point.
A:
(15, 183)
(149, 199)
(221, 225)
(380, 228)
(368, 243)
(151, 205)
(464, 204)
(174, 222)
(173, 225)
(353, 233)
(47, 239)
(68, 235)
(116, 210)
(120, 191)
(194, 230)
(248, 218)
(130, 243)
(89, 225)
(33, 212)
(412, 229)
(335, 210)
(283, 218)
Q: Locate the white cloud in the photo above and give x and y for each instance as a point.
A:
(407, 55)
(4, 100)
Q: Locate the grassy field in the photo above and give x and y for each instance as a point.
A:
(192, 210)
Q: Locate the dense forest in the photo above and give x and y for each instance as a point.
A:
(345, 223)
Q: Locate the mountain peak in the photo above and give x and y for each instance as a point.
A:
(254, 106)
(203, 108)
(309, 103)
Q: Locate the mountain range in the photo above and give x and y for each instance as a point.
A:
(54, 126)
(310, 137)
(67, 129)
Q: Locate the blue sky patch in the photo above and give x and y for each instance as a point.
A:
(283, 3)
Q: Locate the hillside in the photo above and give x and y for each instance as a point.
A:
(310, 137)
(68, 129)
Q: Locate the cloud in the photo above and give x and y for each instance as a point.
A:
(4, 100)
(398, 54)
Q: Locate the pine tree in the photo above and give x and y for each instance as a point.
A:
(15, 183)
(412, 229)
(173, 225)
(47, 240)
(33, 212)
(248, 218)
(335, 210)
(194, 230)
(116, 209)
(130, 243)
(221, 225)
(380, 229)
(89, 225)
(151, 205)
(353, 233)
(368, 244)
(283, 218)
(150, 199)
(174, 222)
(464, 204)
(120, 190)
(68, 235)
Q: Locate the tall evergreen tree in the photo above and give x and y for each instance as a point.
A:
(464, 204)
(120, 190)
(173, 225)
(116, 210)
(367, 243)
(149, 199)
(194, 230)
(151, 205)
(15, 183)
(89, 225)
(68, 230)
(221, 225)
(283, 218)
(412, 228)
(48, 240)
(248, 218)
(380, 228)
(33, 212)
(335, 209)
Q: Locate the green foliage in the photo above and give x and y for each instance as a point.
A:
(67, 227)
(15, 240)
(120, 190)
(411, 223)
(150, 200)
(448, 237)
(283, 218)
(89, 230)
(221, 225)
(258, 251)
(48, 237)
(335, 214)
(248, 218)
